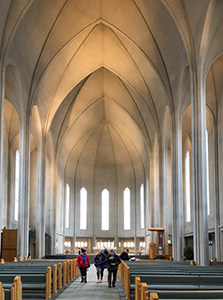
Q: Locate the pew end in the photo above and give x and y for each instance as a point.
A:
(154, 296)
(137, 288)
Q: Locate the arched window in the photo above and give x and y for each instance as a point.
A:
(187, 186)
(142, 206)
(207, 160)
(67, 206)
(17, 186)
(105, 210)
(83, 209)
(126, 209)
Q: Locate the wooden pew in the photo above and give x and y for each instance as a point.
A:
(144, 291)
(124, 275)
(2, 293)
(61, 274)
(137, 288)
(41, 281)
(154, 296)
(14, 290)
(170, 278)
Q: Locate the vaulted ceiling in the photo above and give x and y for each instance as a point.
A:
(103, 72)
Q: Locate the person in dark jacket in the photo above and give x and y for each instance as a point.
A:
(112, 262)
(106, 251)
(125, 255)
(99, 262)
(83, 263)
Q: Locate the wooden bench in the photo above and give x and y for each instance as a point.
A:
(41, 281)
(12, 290)
(170, 279)
(190, 294)
(141, 291)
(61, 272)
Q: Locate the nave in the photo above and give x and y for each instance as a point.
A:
(91, 290)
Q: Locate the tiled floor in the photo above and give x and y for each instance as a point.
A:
(90, 290)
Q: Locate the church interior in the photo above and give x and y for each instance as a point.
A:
(111, 125)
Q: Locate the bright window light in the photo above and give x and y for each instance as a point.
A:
(105, 210)
(83, 209)
(126, 209)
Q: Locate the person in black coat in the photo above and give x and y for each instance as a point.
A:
(106, 251)
(112, 262)
(99, 262)
(125, 255)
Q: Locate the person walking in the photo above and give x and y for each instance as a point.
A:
(112, 262)
(99, 262)
(83, 264)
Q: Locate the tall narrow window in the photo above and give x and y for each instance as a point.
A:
(142, 206)
(17, 186)
(105, 210)
(207, 160)
(126, 209)
(67, 206)
(187, 185)
(83, 209)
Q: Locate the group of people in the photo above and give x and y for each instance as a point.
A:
(102, 260)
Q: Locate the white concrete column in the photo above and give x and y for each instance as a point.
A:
(177, 194)
(53, 210)
(2, 95)
(40, 207)
(217, 204)
(73, 244)
(155, 185)
(148, 212)
(165, 194)
(24, 186)
(199, 174)
(161, 187)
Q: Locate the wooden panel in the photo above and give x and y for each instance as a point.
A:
(9, 244)
(9, 254)
(9, 239)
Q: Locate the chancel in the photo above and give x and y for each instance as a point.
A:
(111, 124)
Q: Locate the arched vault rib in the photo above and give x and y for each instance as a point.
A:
(65, 125)
(84, 111)
(95, 24)
(142, 146)
(128, 56)
(87, 138)
(123, 80)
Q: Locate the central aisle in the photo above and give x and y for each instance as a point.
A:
(91, 289)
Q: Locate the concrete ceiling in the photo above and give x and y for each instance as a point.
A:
(103, 72)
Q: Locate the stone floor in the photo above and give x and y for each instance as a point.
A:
(90, 290)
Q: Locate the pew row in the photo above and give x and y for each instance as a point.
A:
(173, 280)
(12, 290)
(44, 276)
